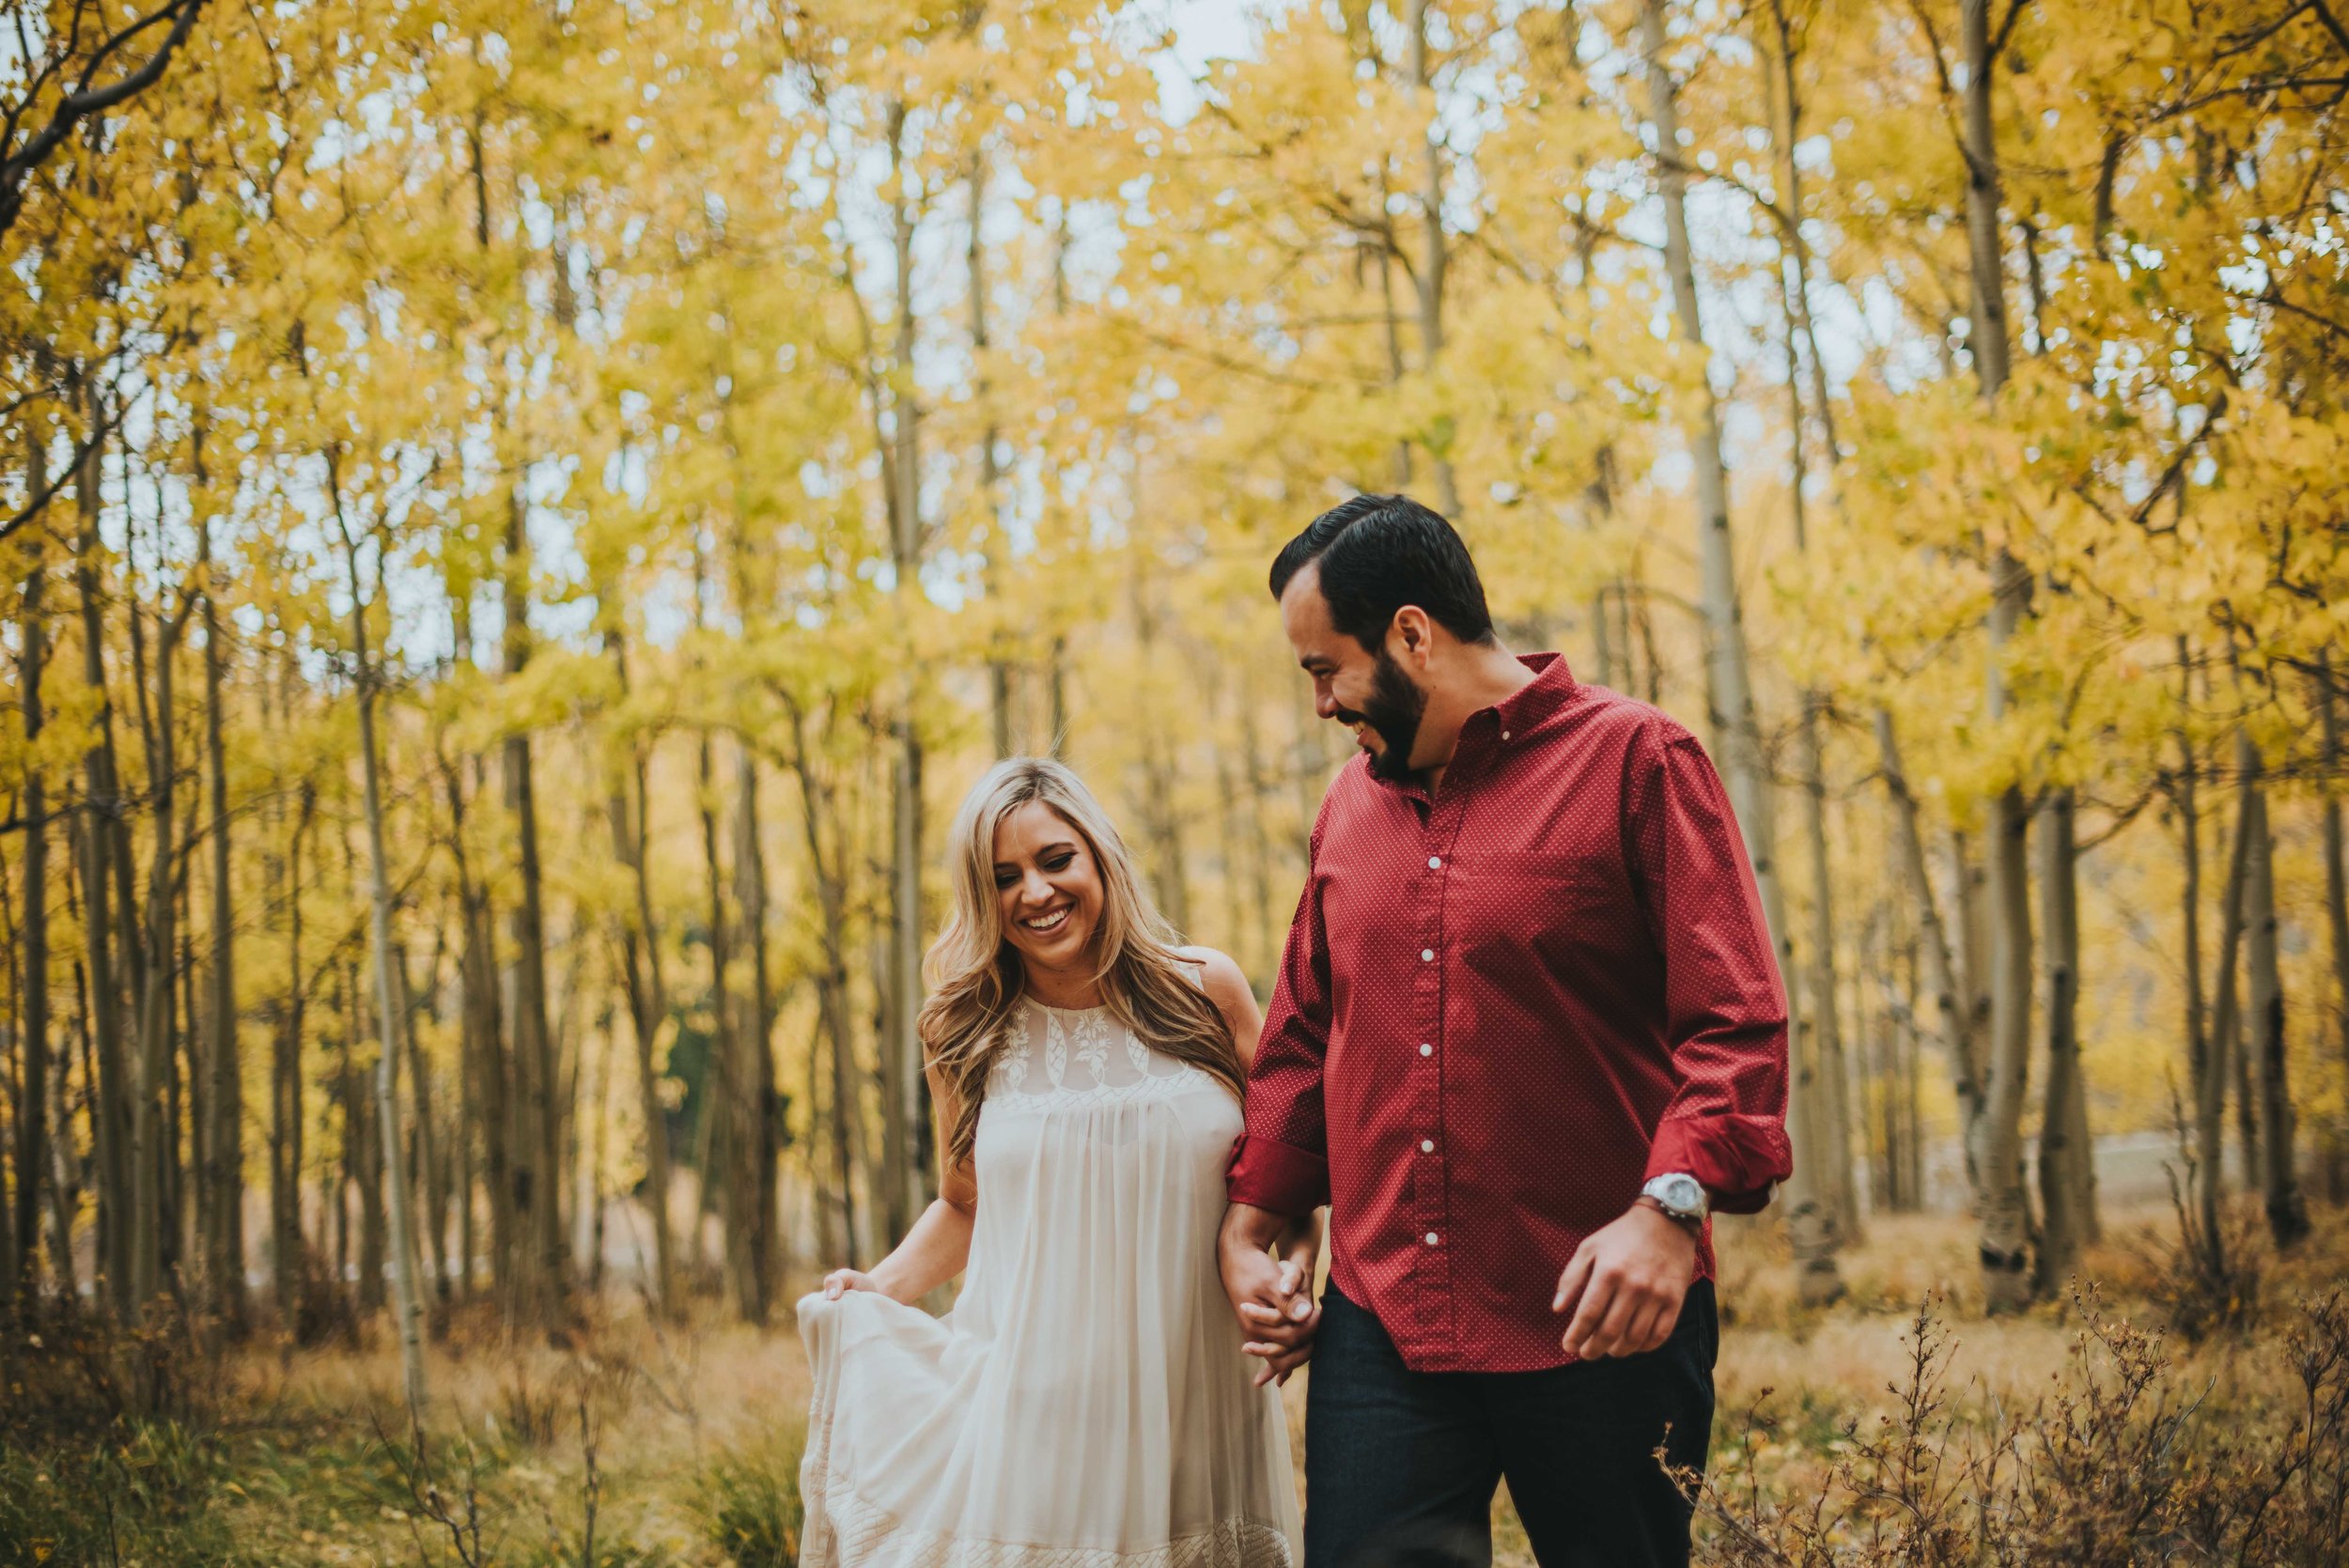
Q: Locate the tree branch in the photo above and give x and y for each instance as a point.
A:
(81, 105)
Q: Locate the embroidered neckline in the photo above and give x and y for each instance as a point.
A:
(1088, 1038)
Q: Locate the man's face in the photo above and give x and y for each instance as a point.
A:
(1370, 693)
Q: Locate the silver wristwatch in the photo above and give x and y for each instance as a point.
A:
(1679, 1195)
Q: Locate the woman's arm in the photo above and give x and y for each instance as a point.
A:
(939, 1245)
(1220, 978)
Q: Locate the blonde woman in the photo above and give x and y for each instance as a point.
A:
(1088, 1400)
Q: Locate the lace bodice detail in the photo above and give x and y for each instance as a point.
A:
(1050, 1054)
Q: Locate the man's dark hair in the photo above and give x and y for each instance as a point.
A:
(1380, 553)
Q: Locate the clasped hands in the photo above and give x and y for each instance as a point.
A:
(1624, 1285)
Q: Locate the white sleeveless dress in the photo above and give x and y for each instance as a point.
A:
(1086, 1403)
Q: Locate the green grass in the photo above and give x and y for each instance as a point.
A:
(144, 1493)
(748, 1501)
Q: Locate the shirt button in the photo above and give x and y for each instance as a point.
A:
(1427, 1050)
(1504, 735)
(1427, 1145)
(1426, 955)
(1435, 862)
(1431, 1238)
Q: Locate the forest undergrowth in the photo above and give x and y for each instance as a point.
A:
(1900, 1426)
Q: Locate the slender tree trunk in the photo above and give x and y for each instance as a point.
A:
(2005, 1211)
(226, 1181)
(2067, 1171)
(468, 1136)
(2198, 1038)
(183, 1184)
(2246, 1105)
(366, 1292)
(990, 472)
(647, 997)
(1168, 878)
(32, 1119)
(761, 1148)
(285, 1171)
(1826, 1036)
(483, 1033)
(390, 1009)
(103, 804)
(598, 1155)
(12, 1101)
(831, 983)
(2280, 1181)
(366, 1165)
(426, 1176)
(1434, 253)
(152, 1238)
(1261, 953)
(1056, 691)
(1989, 341)
(65, 1184)
(2210, 1087)
(1394, 319)
(719, 1114)
(903, 1097)
(2004, 1214)
(539, 1147)
(1729, 689)
(1940, 980)
(2336, 881)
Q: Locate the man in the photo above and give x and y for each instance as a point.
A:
(1528, 1031)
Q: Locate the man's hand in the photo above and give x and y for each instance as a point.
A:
(1273, 1300)
(1631, 1278)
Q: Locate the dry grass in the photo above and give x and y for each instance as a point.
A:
(293, 1456)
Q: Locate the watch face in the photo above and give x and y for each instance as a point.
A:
(1682, 1193)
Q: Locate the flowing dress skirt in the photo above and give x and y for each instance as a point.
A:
(1086, 1403)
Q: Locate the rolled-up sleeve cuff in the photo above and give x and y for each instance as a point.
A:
(1279, 1177)
(1740, 1159)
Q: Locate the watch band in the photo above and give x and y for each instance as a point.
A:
(1693, 1224)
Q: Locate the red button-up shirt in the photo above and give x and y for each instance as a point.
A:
(1503, 1007)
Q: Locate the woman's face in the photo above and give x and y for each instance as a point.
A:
(1047, 888)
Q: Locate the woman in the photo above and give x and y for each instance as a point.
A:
(1087, 1403)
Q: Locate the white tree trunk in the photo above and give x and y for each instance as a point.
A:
(1434, 255)
(389, 1010)
(1736, 733)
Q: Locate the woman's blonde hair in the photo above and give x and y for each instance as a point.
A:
(975, 978)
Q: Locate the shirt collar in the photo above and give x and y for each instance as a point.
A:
(1545, 694)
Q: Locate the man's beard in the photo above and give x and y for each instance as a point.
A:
(1393, 709)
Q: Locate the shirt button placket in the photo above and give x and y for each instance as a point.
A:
(1435, 1316)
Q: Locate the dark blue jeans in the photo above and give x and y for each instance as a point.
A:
(1401, 1466)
